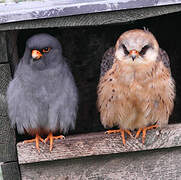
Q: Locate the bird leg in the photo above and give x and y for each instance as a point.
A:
(51, 138)
(36, 140)
(144, 131)
(120, 131)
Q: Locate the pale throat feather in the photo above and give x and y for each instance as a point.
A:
(131, 73)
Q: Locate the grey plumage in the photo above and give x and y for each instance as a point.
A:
(108, 58)
(164, 57)
(43, 95)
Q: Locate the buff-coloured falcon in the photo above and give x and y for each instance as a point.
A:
(42, 97)
(136, 89)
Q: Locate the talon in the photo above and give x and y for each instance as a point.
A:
(36, 140)
(51, 138)
(144, 132)
(128, 132)
(120, 131)
(113, 131)
(138, 132)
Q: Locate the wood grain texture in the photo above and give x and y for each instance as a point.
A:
(93, 19)
(7, 141)
(3, 49)
(98, 144)
(5, 76)
(8, 155)
(10, 171)
(12, 52)
(163, 164)
(48, 9)
(7, 134)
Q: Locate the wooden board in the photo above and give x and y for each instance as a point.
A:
(10, 171)
(5, 77)
(162, 164)
(93, 19)
(8, 156)
(3, 49)
(7, 134)
(98, 144)
(12, 51)
(7, 141)
(48, 9)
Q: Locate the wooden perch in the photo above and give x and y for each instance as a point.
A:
(82, 145)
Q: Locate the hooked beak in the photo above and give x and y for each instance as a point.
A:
(134, 54)
(36, 55)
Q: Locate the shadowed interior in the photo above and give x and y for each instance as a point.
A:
(85, 46)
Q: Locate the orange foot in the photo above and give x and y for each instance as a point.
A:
(122, 133)
(36, 140)
(51, 138)
(144, 131)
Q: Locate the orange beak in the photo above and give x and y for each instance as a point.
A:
(134, 53)
(36, 54)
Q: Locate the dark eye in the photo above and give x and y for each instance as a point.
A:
(144, 49)
(47, 49)
(126, 52)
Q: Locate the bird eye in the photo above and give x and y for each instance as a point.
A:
(144, 49)
(45, 50)
(126, 52)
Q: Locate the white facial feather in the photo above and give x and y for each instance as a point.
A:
(136, 41)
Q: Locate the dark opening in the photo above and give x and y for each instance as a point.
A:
(85, 46)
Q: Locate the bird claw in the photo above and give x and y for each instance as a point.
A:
(120, 131)
(144, 132)
(51, 138)
(36, 140)
(113, 131)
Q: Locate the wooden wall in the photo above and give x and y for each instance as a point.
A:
(8, 157)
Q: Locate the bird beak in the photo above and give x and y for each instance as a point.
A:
(36, 54)
(133, 54)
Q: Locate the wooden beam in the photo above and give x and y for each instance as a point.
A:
(105, 18)
(7, 134)
(3, 48)
(48, 9)
(83, 145)
(155, 164)
(10, 171)
(12, 51)
(9, 168)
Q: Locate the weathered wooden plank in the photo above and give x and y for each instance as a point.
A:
(5, 76)
(48, 9)
(7, 134)
(93, 19)
(10, 171)
(8, 157)
(98, 144)
(3, 49)
(12, 52)
(7, 141)
(163, 164)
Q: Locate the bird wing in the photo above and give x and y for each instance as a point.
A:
(23, 111)
(163, 56)
(107, 60)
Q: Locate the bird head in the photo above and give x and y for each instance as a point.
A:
(137, 46)
(42, 51)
